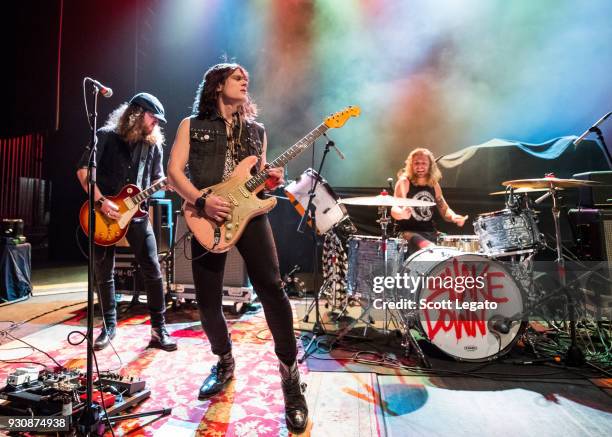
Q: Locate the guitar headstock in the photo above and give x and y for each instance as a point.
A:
(339, 118)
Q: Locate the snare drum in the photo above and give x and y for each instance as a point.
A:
(366, 261)
(328, 211)
(464, 243)
(506, 231)
(464, 327)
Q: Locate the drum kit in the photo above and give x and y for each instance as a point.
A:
(459, 294)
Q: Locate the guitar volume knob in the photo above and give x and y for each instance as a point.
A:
(229, 226)
(228, 235)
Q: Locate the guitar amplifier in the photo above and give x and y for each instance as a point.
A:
(592, 229)
(160, 216)
(128, 276)
(236, 284)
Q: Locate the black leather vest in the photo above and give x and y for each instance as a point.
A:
(208, 146)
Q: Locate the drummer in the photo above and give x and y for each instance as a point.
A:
(419, 180)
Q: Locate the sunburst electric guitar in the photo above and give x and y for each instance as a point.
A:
(109, 231)
(241, 189)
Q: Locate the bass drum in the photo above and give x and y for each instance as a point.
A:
(465, 304)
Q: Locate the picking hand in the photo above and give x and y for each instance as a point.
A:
(217, 208)
(110, 209)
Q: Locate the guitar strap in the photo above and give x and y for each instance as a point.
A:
(144, 151)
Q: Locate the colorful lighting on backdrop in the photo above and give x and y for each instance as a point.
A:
(446, 74)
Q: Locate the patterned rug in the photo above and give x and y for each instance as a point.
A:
(252, 405)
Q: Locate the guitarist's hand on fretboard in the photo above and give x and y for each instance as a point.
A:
(217, 208)
(110, 209)
(275, 178)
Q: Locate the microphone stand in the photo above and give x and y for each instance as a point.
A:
(310, 215)
(90, 416)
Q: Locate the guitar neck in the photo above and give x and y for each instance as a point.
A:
(145, 194)
(253, 183)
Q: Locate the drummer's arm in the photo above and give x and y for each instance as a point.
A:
(445, 211)
(401, 190)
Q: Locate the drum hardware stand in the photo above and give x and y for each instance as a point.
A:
(574, 355)
(310, 217)
(90, 421)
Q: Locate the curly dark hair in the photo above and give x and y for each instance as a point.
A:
(205, 103)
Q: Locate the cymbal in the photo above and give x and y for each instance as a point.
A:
(386, 201)
(521, 191)
(548, 183)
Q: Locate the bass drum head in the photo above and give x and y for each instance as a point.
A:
(466, 304)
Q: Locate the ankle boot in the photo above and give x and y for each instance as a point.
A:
(160, 338)
(220, 375)
(296, 410)
(108, 331)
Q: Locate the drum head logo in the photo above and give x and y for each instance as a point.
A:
(423, 213)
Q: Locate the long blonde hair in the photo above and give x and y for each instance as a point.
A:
(433, 175)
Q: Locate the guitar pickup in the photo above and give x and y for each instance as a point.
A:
(244, 192)
(232, 199)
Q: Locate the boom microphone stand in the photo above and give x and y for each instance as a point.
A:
(310, 217)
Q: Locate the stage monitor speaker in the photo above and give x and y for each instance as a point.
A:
(160, 216)
(592, 229)
(235, 269)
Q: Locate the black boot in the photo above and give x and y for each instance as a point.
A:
(160, 338)
(220, 375)
(296, 410)
(108, 330)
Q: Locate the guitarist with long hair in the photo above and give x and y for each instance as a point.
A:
(129, 151)
(210, 144)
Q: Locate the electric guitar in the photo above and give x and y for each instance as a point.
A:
(109, 231)
(241, 189)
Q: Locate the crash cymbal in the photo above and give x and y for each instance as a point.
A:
(385, 201)
(548, 183)
(521, 191)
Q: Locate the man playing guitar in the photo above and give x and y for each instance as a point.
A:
(220, 134)
(129, 151)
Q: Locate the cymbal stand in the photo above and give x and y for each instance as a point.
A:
(384, 221)
(574, 355)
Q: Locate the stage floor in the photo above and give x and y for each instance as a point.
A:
(355, 390)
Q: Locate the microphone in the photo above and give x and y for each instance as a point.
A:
(104, 90)
(331, 143)
(390, 183)
(340, 154)
(499, 324)
(591, 129)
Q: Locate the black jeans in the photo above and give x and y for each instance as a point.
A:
(142, 241)
(259, 252)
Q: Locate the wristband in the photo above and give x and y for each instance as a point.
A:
(99, 202)
(200, 202)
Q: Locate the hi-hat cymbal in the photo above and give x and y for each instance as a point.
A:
(386, 201)
(521, 191)
(548, 183)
